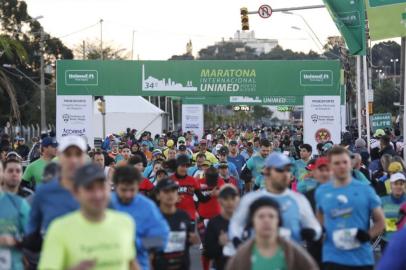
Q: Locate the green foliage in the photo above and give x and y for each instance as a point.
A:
(384, 97)
(92, 51)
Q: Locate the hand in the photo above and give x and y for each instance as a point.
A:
(84, 265)
(7, 241)
(194, 239)
(223, 238)
(363, 236)
(307, 234)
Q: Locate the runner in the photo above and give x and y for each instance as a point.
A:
(12, 176)
(176, 254)
(216, 231)
(151, 228)
(222, 157)
(196, 170)
(203, 149)
(344, 208)
(89, 238)
(299, 166)
(235, 157)
(225, 175)
(256, 163)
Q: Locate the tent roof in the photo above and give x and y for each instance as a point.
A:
(129, 104)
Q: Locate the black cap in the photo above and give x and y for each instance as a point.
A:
(223, 164)
(223, 151)
(228, 190)
(182, 160)
(182, 147)
(233, 142)
(166, 184)
(88, 174)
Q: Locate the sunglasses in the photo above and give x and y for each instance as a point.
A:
(282, 170)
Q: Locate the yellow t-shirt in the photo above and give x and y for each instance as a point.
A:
(72, 239)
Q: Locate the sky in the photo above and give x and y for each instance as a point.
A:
(162, 28)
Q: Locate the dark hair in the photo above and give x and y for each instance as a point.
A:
(385, 140)
(212, 176)
(306, 146)
(265, 143)
(97, 153)
(200, 155)
(261, 202)
(135, 160)
(126, 147)
(257, 139)
(10, 161)
(320, 147)
(126, 175)
(338, 150)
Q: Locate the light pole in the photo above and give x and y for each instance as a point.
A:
(101, 39)
(394, 61)
(300, 29)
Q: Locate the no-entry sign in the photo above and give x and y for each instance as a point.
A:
(265, 11)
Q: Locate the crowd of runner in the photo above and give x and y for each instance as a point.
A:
(250, 198)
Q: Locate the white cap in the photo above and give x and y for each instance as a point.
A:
(397, 176)
(218, 147)
(69, 141)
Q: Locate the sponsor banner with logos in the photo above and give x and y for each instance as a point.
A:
(193, 118)
(274, 79)
(74, 117)
(322, 120)
(381, 121)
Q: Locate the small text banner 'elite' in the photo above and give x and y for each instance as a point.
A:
(193, 119)
(322, 119)
(74, 117)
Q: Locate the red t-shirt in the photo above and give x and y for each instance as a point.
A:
(187, 187)
(231, 180)
(146, 186)
(211, 208)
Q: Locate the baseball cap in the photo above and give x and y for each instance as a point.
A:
(166, 184)
(156, 152)
(69, 141)
(49, 141)
(144, 143)
(397, 176)
(182, 160)
(88, 174)
(223, 164)
(277, 160)
(233, 142)
(182, 147)
(228, 190)
(181, 139)
(395, 167)
(203, 141)
(170, 143)
(321, 161)
(327, 146)
(218, 147)
(206, 163)
(379, 132)
(223, 151)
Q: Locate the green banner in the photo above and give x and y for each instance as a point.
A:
(198, 78)
(244, 100)
(387, 18)
(381, 121)
(349, 16)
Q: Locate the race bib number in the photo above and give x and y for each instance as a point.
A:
(176, 242)
(285, 233)
(5, 259)
(345, 239)
(391, 224)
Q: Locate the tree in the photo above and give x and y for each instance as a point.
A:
(92, 51)
(228, 51)
(385, 95)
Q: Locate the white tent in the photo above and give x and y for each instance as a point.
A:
(128, 112)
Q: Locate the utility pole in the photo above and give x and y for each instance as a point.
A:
(132, 46)
(101, 39)
(42, 84)
(84, 50)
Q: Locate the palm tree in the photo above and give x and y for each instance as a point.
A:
(12, 50)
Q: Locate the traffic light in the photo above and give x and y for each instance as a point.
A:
(101, 106)
(244, 19)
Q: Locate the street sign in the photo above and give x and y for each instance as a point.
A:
(381, 121)
(265, 11)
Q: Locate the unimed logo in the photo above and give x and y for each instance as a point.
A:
(81, 77)
(316, 78)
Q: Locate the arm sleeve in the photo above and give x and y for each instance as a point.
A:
(25, 213)
(317, 199)
(374, 200)
(35, 217)
(52, 254)
(27, 176)
(157, 225)
(211, 246)
(308, 219)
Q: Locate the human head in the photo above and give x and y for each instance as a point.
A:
(385, 161)
(321, 170)
(48, 147)
(182, 150)
(171, 153)
(356, 161)
(161, 174)
(265, 148)
(144, 146)
(126, 180)
(136, 162)
(223, 153)
(98, 158)
(397, 181)
(13, 172)
(276, 172)
(203, 146)
(182, 164)
(135, 147)
(72, 155)
(223, 169)
(305, 151)
(384, 141)
(257, 142)
(228, 198)
(340, 163)
(265, 218)
(233, 147)
(167, 192)
(161, 142)
(126, 152)
(91, 190)
(200, 159)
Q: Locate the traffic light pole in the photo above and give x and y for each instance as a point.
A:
(292, 8)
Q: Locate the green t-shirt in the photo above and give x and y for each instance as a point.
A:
(72, 239)
(34, 171)
(276, 262)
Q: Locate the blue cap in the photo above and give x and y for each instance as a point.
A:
(277, 160)
(49, 141)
